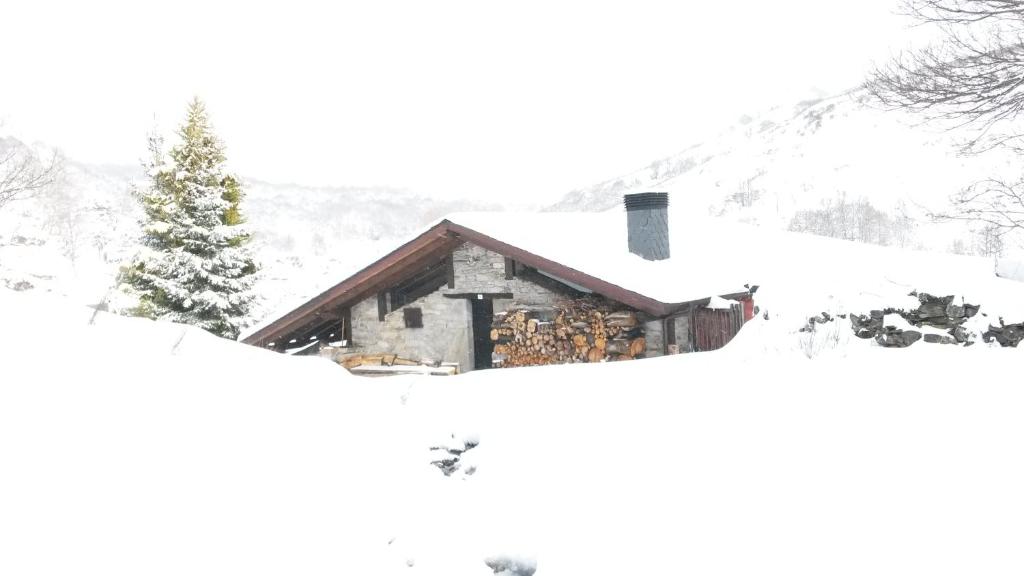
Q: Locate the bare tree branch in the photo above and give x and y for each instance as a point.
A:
(973, 78)
(23, 174)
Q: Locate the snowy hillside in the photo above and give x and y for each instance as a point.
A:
(142, 447)
(72, 239)
(835, 165)
(769, 169)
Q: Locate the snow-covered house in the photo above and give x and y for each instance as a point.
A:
(443, 295)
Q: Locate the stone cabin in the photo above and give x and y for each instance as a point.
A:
(437, 297)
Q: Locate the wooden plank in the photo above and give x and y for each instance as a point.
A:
(346, 325)
(382, 305)
(371, 370)
(450, 264)
(547, 282)
(388, 278)
(510, 268)
(476, 295)
(419, 285)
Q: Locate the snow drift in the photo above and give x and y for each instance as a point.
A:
(137, 447)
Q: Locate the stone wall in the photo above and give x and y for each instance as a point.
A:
(480, 270)
(446, 334)
(653, 334)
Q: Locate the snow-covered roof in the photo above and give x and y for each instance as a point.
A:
(595, 243)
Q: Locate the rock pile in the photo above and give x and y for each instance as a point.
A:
(935, 311)
(822, 318)
(511, 566)
(448, 459)
(1008, 335)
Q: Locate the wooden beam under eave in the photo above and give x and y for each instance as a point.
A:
(386, 280)
(352, 288)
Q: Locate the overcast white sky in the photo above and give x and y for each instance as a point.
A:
(511, 100)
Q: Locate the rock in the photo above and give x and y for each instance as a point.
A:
(822, 319)
(938, 339)
(954, 311)
(932, 306)
(509, 566)
(898, 338)
(1007, 335)
(448, 459)
(867, 326)
(934, 311)
(19, 240)
(21, 286)
(960, 334)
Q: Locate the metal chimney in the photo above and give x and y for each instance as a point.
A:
(647, 224)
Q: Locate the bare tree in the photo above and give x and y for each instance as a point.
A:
(65, 219)
(23, 173)
(859, 221)
(974, 74)
(974, 78)
(992, 202)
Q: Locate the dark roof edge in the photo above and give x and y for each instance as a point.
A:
(446, 228)
(275, 328)
(602, 287)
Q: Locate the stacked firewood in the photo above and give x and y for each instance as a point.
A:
(583, 330)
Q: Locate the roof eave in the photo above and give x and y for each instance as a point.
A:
(346, 289)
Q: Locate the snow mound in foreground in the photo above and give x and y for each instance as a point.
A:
(137, 447)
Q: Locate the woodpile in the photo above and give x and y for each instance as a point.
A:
(584, 330)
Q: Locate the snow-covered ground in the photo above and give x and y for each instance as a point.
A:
(133, 447)
(767, 169)
(773, 166)
(72, 239)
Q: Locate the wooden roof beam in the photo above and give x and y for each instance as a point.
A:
(430, 244)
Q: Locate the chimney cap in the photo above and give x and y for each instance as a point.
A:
(645, 200)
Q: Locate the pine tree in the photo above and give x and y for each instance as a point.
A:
(195, 266)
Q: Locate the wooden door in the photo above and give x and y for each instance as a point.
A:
(483, 316)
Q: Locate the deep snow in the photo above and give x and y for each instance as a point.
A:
(135, 447)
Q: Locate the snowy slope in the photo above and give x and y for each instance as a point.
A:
(73, 239)
(138, 447)
(768, 167)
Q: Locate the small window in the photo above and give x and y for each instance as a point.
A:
(413, 317)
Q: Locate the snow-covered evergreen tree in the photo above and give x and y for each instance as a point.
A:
(194, 266)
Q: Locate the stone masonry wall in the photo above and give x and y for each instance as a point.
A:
(446, 334)
(653, 334)
(480, 270)
(683, 333)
